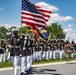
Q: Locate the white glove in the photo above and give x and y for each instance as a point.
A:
(24, 48)
(9, 46)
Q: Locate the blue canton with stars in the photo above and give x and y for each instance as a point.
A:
(27, 6)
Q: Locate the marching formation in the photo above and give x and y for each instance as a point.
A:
(26, 50)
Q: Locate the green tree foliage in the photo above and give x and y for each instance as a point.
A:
(56, 31)
(9, 32)
(23, 30)
(10, 29)
(3, 32)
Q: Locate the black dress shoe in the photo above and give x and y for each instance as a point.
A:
(22, 73)
(28, 71)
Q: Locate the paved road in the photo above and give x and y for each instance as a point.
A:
(60, 69)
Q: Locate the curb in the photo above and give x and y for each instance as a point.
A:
(39, 65)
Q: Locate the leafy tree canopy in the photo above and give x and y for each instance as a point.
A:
(55, 29)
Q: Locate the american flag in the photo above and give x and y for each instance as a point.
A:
(34, 15)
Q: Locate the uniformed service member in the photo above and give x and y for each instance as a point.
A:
(37, 50)
(8, 49)
(2, 49)
(61, 49)
(44, 47)
(28, 54)
(15, 50)
(34, 50)
(51, 50)
(23, 58)
(40, 50)
(72, 49)
(47, 50)
(67, 48)
(54, 49)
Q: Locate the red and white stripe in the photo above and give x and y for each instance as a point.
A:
(37, 19)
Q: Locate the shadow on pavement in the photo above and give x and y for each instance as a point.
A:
(43, 71)
(49, 70)
(70, 63)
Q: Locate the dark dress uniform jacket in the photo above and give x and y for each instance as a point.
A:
(61, 47)
(28, 48)
(37, 48)
(49, 46)
(15, 46)
(32, 46)
(3, 48)
(54, 47)
(41, 46)
(22, 51)
(46, 47)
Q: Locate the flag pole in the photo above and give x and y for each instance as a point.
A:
(26, 29)
(21, 26)
(21, 18)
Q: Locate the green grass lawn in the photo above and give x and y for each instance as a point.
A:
(9, 64)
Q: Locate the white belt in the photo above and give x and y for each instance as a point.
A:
(1, 48)
(48, 47)
(29, 48)
(15, 46)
